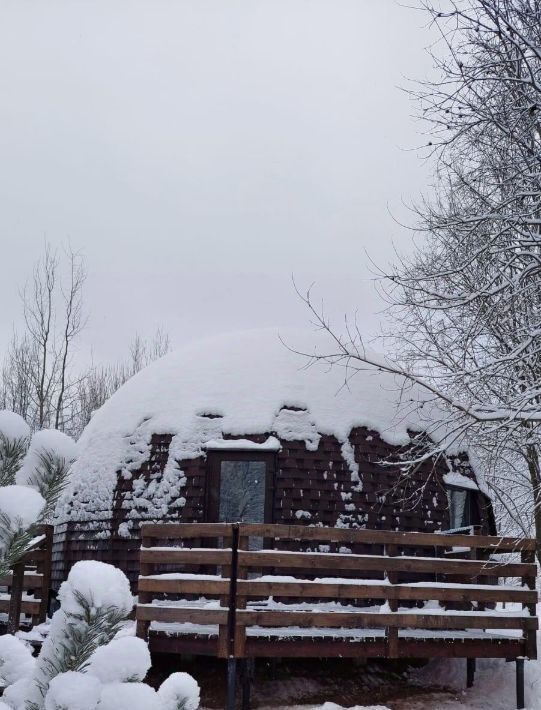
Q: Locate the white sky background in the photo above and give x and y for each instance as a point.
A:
(200, 152)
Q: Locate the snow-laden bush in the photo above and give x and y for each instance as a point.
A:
(179, 692)
(125, 659)
(33, 473)
(95, 601)
(43, 443)
(46, 464)
(95, 585)
(73, 691)
(21, 507)
(88, 662)
(15, 694)
(129, 696)
(16, 660)
(14, 438)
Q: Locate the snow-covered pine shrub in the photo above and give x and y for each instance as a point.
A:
(14, 438)
(129, 696)
(84, 642)
(73, 691)
(21, 508)
(46, 465)
(16, 660)
(15, 694)
(95, 602)
(33, 473)
(87, 661)
(179, 692)
(125, 660)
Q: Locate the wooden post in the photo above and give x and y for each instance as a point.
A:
(232, 613)
(231, 683)
(470, 672)
(16, 593)
(474, 555)
(240, 601)
(145, 568)
(223, 630)
(231, 620)
(530, 635)
(46, 571)
(392, 631)
(248, 668)
(520, 683)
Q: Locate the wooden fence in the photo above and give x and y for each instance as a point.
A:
(246, 590)
(27, 585)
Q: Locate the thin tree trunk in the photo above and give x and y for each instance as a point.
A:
(535, 475)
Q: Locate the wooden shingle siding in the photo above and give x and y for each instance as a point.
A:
(310, 488)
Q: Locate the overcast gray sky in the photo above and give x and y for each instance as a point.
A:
(200, 152)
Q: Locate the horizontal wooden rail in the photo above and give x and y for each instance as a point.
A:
(364, 620)
(400, 592)
(340, 590)
(154, 612)
(337, 561)
(179, 531)
(31, 580)
(385, 537)
(189, 586)
(381, 563)
(30, 607)
(185, 555)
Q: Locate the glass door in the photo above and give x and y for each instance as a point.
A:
(240, 487)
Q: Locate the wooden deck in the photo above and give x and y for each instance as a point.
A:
(240, 591)
(25, 595)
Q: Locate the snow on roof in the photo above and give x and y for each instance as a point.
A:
(454, 478)
(239, 384)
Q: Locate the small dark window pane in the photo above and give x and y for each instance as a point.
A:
(242, 492)
(459, 508)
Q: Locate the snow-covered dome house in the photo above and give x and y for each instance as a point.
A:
(238, 427)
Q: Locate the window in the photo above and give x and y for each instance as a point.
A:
(463, 510)
(242, 492)
(458, 508)
(239, 486)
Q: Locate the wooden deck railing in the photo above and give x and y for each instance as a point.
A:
(230, 600)
(239, 591)
(27, 585)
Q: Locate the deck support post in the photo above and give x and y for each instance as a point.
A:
(248, 668)
(231, 683)
(520, 683)
(15, 602)
(470, 672)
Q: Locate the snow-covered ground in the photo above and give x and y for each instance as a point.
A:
(494, 688)
(440, 685)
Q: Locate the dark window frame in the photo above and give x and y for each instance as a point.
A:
(212, 488)
(472, 504)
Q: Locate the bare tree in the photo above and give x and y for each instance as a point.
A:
(467, 303)
(38, 378)
(100, 382)
(74, 322)
(37, 381)
(15, 376)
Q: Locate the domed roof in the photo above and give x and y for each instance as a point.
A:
(244, 383)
